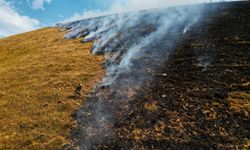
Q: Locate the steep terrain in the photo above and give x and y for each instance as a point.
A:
(175, 79)
(38, 74)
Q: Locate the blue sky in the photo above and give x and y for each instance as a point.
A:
(58, 10)
(19, 16)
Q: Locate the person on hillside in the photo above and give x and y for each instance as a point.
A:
(78, 91)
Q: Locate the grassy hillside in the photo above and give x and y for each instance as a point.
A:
(38, 73)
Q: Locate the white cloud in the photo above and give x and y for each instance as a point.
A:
(12, 22)
(38, 4)
(87, 14)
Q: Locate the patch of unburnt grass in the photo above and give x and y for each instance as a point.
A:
(38, 73)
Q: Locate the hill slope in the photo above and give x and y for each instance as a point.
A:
(177, 78)
(172, 81)
(38, 73)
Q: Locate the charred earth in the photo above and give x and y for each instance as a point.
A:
(176, 78)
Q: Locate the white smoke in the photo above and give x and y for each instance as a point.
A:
(134, 45)
(121, 6)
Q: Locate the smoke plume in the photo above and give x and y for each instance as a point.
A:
(122, 6)
(135, 45)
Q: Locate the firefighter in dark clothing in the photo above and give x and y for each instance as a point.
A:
(78, 91)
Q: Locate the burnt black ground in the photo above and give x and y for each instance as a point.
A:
(186, 106)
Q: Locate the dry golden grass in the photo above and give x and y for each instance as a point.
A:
(240, 102)
(38, 73)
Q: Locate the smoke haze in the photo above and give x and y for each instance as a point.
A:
(135, 46)
(121, 6)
